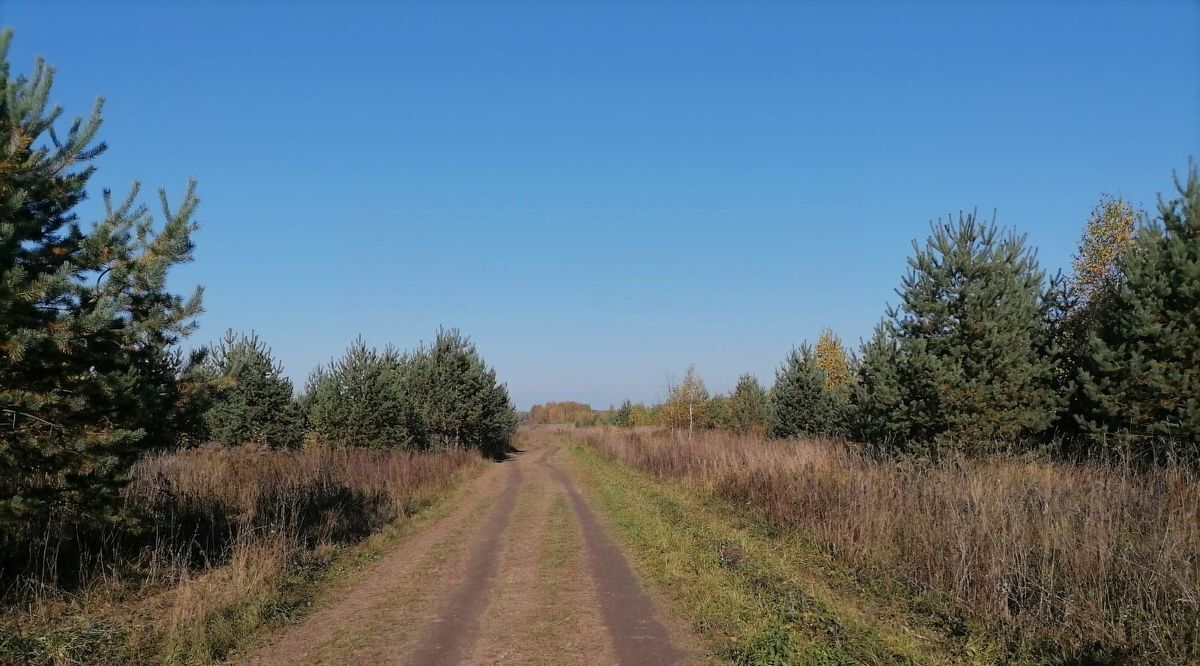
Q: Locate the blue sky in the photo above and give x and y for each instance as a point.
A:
(601, 194)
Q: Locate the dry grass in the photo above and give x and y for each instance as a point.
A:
(233, 538)
(1061, 562)
(210, 497)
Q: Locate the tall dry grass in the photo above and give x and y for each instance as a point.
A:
(1067, 562)
(222, 528)
(206, 499)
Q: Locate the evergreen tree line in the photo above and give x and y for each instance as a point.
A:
(985, 352)
(438, 397)
(92, 373)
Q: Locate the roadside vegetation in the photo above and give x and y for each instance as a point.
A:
(235, 540)
(163, 504)
(1025, 560)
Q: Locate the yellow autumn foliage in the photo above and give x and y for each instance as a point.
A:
(1108, 233)
(833, 360)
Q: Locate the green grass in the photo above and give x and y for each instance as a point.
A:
(559, 539)
(558, 545)
(752, 595)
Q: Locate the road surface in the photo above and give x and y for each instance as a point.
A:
(521, 570)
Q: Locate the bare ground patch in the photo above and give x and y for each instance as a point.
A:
(543, 610)
(521, 571)
(390, 595)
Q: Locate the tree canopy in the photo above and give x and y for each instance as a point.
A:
(89, 369)
(962, 362)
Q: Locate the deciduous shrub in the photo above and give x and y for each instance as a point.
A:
(687, 403)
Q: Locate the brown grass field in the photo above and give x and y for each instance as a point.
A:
(990, 560)
(1065, 561)
(240, 534)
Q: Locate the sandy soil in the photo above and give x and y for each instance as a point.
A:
(521, 571)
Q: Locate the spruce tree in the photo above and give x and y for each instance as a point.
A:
(802, 405)
(1140, 376)
(972, 367)
(254, 403)
(749, 407)
(89, 372)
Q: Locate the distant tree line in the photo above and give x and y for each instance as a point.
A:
(986, 353)
(560, 412)
(92, 374)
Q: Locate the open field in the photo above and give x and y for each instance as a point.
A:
(1016, 560)
(603, 545)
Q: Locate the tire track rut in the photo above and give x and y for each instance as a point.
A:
(638, 636)
(522, 570)
(459, 619)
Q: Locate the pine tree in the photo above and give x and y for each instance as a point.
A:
(802, 406)
(254, 403)
(88, 366)
(749, 407)
(456, 397)
(717, 414)
(878, 414)
(1140, 380)
(971, 367)
(623, 417)
(358, 401)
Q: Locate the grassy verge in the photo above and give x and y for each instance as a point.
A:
(220, 611)
(754, 597)
(1042, 561)
(560, 548)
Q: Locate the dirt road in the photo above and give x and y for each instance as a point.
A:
(522, 570)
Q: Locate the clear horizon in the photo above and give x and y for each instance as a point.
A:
(600, 196)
